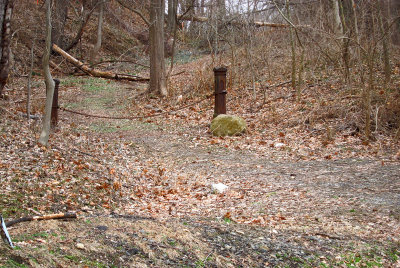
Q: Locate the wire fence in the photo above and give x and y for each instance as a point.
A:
(135, 117)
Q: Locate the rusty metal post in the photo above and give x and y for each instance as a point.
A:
(220, 91)
(54, 107)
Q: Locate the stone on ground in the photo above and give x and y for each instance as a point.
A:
(227, 125)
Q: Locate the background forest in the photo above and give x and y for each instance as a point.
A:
(348, 49)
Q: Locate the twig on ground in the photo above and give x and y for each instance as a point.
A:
(68, 215)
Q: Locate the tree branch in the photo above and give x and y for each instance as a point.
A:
(135, 11)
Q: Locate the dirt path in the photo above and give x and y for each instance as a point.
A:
(278, 213)
(335, 206)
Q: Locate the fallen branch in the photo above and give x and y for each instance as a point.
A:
(67, 215)
(31, 116)
(127, 61)
(97, 73)
(175, 74)
(56, 66)
(237, 22)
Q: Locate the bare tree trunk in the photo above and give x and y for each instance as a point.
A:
(383, 17)
(357, 38)
(345, 46)
(249, 48)
(29, 89)
(202, 7)
(6, 8)
(172, 13)
(338, 27)
(367, 98)
(59, 19)
(395, 10)
(44, 136)
(97, 46)
(157, 64)
(221, 9)
(293, 49)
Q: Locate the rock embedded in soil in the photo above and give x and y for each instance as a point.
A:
(227, 125)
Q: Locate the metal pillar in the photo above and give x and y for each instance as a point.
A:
(54, 107)
(220, 91)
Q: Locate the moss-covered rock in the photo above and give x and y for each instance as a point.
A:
(227, 125)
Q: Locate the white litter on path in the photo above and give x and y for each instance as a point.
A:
(279, 145)
(218, 187)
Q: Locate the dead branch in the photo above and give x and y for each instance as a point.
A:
(97, 73)
(175, 74)
(121, 61)
(84, 21)
(138, 12)
(56, 66)
(67, 215)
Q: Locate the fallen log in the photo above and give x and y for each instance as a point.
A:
(67, 215)
(237, 22)
(97, 73)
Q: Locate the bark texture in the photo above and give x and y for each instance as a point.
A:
(6, 8)
(157, 64)
(59, 19)
(97, 46)
(338, 27)
(172, 12)
(44, 135)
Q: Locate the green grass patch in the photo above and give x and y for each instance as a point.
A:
(90, 84)
(360, 260)
(183, 57)
(98, 94)
(27, 237)
(103, 127)
(10, 206)
(86, 261)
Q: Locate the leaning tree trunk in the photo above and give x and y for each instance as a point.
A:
(157, 64)
(44, 136)
(6, 8)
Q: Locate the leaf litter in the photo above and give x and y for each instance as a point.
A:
(297, 194)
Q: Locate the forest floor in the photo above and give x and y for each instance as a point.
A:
(297, 196)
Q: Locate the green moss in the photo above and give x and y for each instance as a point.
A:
(227, 125)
